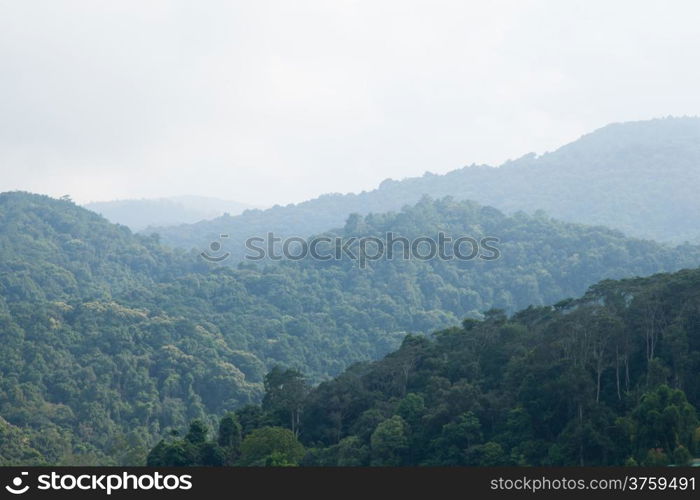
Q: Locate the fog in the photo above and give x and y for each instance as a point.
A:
(275, 102)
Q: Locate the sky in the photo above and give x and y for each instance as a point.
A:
(274, 102)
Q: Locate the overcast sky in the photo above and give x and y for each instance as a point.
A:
(276, 102)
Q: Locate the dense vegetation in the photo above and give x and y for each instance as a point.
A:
(109, 339)
(611, 378)
(639, 177)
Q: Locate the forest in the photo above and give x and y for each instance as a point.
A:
(112, 340)
(309, 238)
(606, 379)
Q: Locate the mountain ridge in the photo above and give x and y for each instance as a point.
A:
(637, 177)
(606, 379)
(110, 338)
(138, 214)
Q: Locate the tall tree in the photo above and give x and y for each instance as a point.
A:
(285, 394)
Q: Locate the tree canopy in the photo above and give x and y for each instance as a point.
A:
(111, 340)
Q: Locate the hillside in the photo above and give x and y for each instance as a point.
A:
(140, 214)
(611, 378)
(109, 338)
(638, 177)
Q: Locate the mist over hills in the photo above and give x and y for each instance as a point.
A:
(639, 177)
(349, 234)
(139, 214)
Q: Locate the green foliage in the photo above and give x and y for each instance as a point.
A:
(109, 340)
(271, 446)
(663, 420)
(16, 447)
(285, 392)
(600, 380)
(389, 442)
(230, 432)
(196, 450)
(197, 433)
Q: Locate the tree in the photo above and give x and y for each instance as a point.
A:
(389, 442)
(663, 421)
(230, 437)
(180, 453)
(411, 408)
(285, 394)
(271, 446)
(197, 433)
(250, 417)
(211, 455)
(352, 452)
(489, 454)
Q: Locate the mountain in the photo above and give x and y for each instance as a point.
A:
(611, 378)
(638, 177)
(110, 338)
(140, 214)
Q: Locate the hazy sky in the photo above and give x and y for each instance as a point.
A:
(276, 102)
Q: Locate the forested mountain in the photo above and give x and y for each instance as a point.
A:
(109, 338)
(611, 378)
(639, 177)
(139, 214)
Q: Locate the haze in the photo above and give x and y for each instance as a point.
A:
(276, 102)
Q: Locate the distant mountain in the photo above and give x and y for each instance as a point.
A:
(139, 214)
(638, 177)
